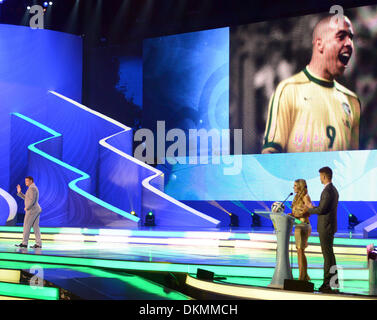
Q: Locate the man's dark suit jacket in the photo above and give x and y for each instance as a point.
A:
(327, 210)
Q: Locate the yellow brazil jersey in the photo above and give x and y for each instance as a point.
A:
(308, 114)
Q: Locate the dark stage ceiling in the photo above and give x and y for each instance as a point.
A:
(118, 21)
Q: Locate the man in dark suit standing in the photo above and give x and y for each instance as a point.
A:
(327, 226)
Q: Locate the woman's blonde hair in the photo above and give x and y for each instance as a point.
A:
(302, 190)
(301, 184)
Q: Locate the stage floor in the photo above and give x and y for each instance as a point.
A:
(239, 257)
(180, 254)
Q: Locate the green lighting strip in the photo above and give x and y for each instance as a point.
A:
(84, 176)
(27, 265)
(27, 291)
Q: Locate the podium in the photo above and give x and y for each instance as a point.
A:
(372, 265)
(283, 225)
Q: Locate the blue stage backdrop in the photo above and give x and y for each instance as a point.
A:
(186, 81)
(31, 63)
(113, 81)
(263, 179)
(82, 163)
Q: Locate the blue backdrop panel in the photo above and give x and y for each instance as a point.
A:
(186, 80)
(130, 82)
(31, 63)
(65, 191)
(170, 214)
(244, 216)
(4, 211)
(135, 186)
(268, 178)
(82, 130)
(23, 163)
(362, 209)
(222, 216)
(104, 181)
(120, 178)
(52, 181)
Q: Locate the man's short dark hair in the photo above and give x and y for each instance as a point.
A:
(327, 171)
(30, 178)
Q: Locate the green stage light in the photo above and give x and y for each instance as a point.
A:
(150, 219)
(352, 221)
(27, 291)
(255, 220)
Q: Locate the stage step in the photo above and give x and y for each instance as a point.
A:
(203, 289)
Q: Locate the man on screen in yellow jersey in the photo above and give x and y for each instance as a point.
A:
(310, 111)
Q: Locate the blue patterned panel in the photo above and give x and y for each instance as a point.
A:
(120, 178)
(186, 81)
(31, 63)
(65, 195)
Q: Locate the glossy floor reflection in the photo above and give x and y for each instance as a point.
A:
(226, 256)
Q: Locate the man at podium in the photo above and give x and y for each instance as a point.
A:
(327, 225)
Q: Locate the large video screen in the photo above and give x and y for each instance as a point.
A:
(305, 84)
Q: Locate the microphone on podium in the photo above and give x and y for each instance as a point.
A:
(286, 198)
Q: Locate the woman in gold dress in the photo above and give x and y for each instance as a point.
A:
(303, 230)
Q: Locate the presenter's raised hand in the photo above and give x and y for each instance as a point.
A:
(18, 188)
